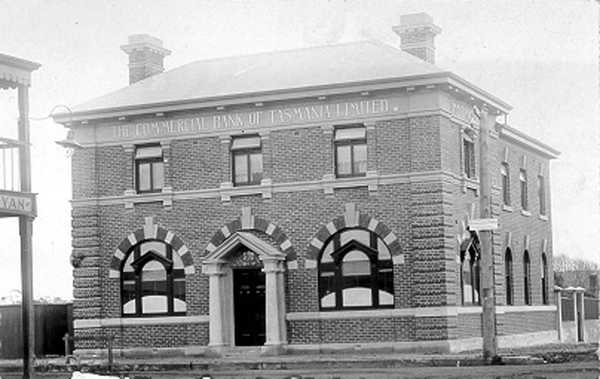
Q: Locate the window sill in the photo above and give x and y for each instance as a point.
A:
(507, 208)
(331, 182)
(131, 197)
(227, 190)
(543, 217)
(525, 213)
(470, 183)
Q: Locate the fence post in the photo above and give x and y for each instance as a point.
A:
(559, 320)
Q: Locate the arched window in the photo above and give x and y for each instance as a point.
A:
(526, 279)
(152, 281)
(544, 281)
(470, 257)
(355, 271)
(508, 276)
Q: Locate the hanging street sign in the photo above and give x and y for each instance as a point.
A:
(17, 204)
(482, 224)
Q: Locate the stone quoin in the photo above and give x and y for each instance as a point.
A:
(315, 199)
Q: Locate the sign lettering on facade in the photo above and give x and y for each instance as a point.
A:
(251, 119)
(482, 224)
(206, 122)
(16, 203)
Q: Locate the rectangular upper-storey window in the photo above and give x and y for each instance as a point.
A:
(149, 168)
(350, 151)
(523, 180)
(246, 153)
(505, 177)
(542, 194)
(469, 158)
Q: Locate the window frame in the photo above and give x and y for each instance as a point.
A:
(542, 195)
(246, 151)
(352, 142)
(469, 161)
(171, 277)
(151, 161)
(474, 275)
(544, 279)
(509, 277)
(524, 189)
(336, 266)
(527, 279)
(505, 182)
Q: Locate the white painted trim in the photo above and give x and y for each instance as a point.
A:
(312, 185)
(446, 311)
(507, 132)
(137, 321)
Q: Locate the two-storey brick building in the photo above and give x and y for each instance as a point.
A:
(303, 200)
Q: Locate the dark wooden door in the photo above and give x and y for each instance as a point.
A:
(249, 305)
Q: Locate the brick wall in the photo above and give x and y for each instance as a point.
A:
(424, 214)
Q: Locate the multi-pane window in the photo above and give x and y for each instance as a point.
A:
(469, 274)
(542, 194)
(523, 181)
(350, 151)
(247, 160)
(149, 168)
(544, 280)
(152, 281)
(526, 279)
(469, 158)
(508, 276)
(505, 177)
(355, 272)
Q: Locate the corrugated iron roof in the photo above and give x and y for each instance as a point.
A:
(266, 72)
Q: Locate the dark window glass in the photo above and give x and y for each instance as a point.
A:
(355, 272)
(149, 169)
(523, 180)
(508, 273)
(153, 281)
(469, 158)
(542, 195)
(505, 176)
(350, 151)
(526, 279)
(247, 160)
(544, 281)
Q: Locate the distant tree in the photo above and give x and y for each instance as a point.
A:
(564, 263)
(575, 272)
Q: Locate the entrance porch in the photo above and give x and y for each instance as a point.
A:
(246, 295)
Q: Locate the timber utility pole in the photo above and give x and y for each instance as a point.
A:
(486, 225)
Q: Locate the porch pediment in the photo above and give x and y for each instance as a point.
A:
(263, 249)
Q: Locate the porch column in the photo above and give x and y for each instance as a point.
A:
(272, 302)
(282, 307)
(216, 335)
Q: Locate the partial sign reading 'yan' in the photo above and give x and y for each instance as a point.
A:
(17, 204)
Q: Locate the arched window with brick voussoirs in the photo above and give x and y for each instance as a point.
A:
(355, 272)
(152, 281)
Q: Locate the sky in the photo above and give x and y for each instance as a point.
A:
(540, 56)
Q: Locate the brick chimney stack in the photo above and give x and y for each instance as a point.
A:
(417, 32)
(146, 55)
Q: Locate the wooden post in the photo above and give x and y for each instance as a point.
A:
(487, 122)
(26, 230)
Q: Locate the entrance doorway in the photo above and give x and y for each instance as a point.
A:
(249, 306)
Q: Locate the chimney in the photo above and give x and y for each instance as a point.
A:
(417, 32)
(146, 55)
